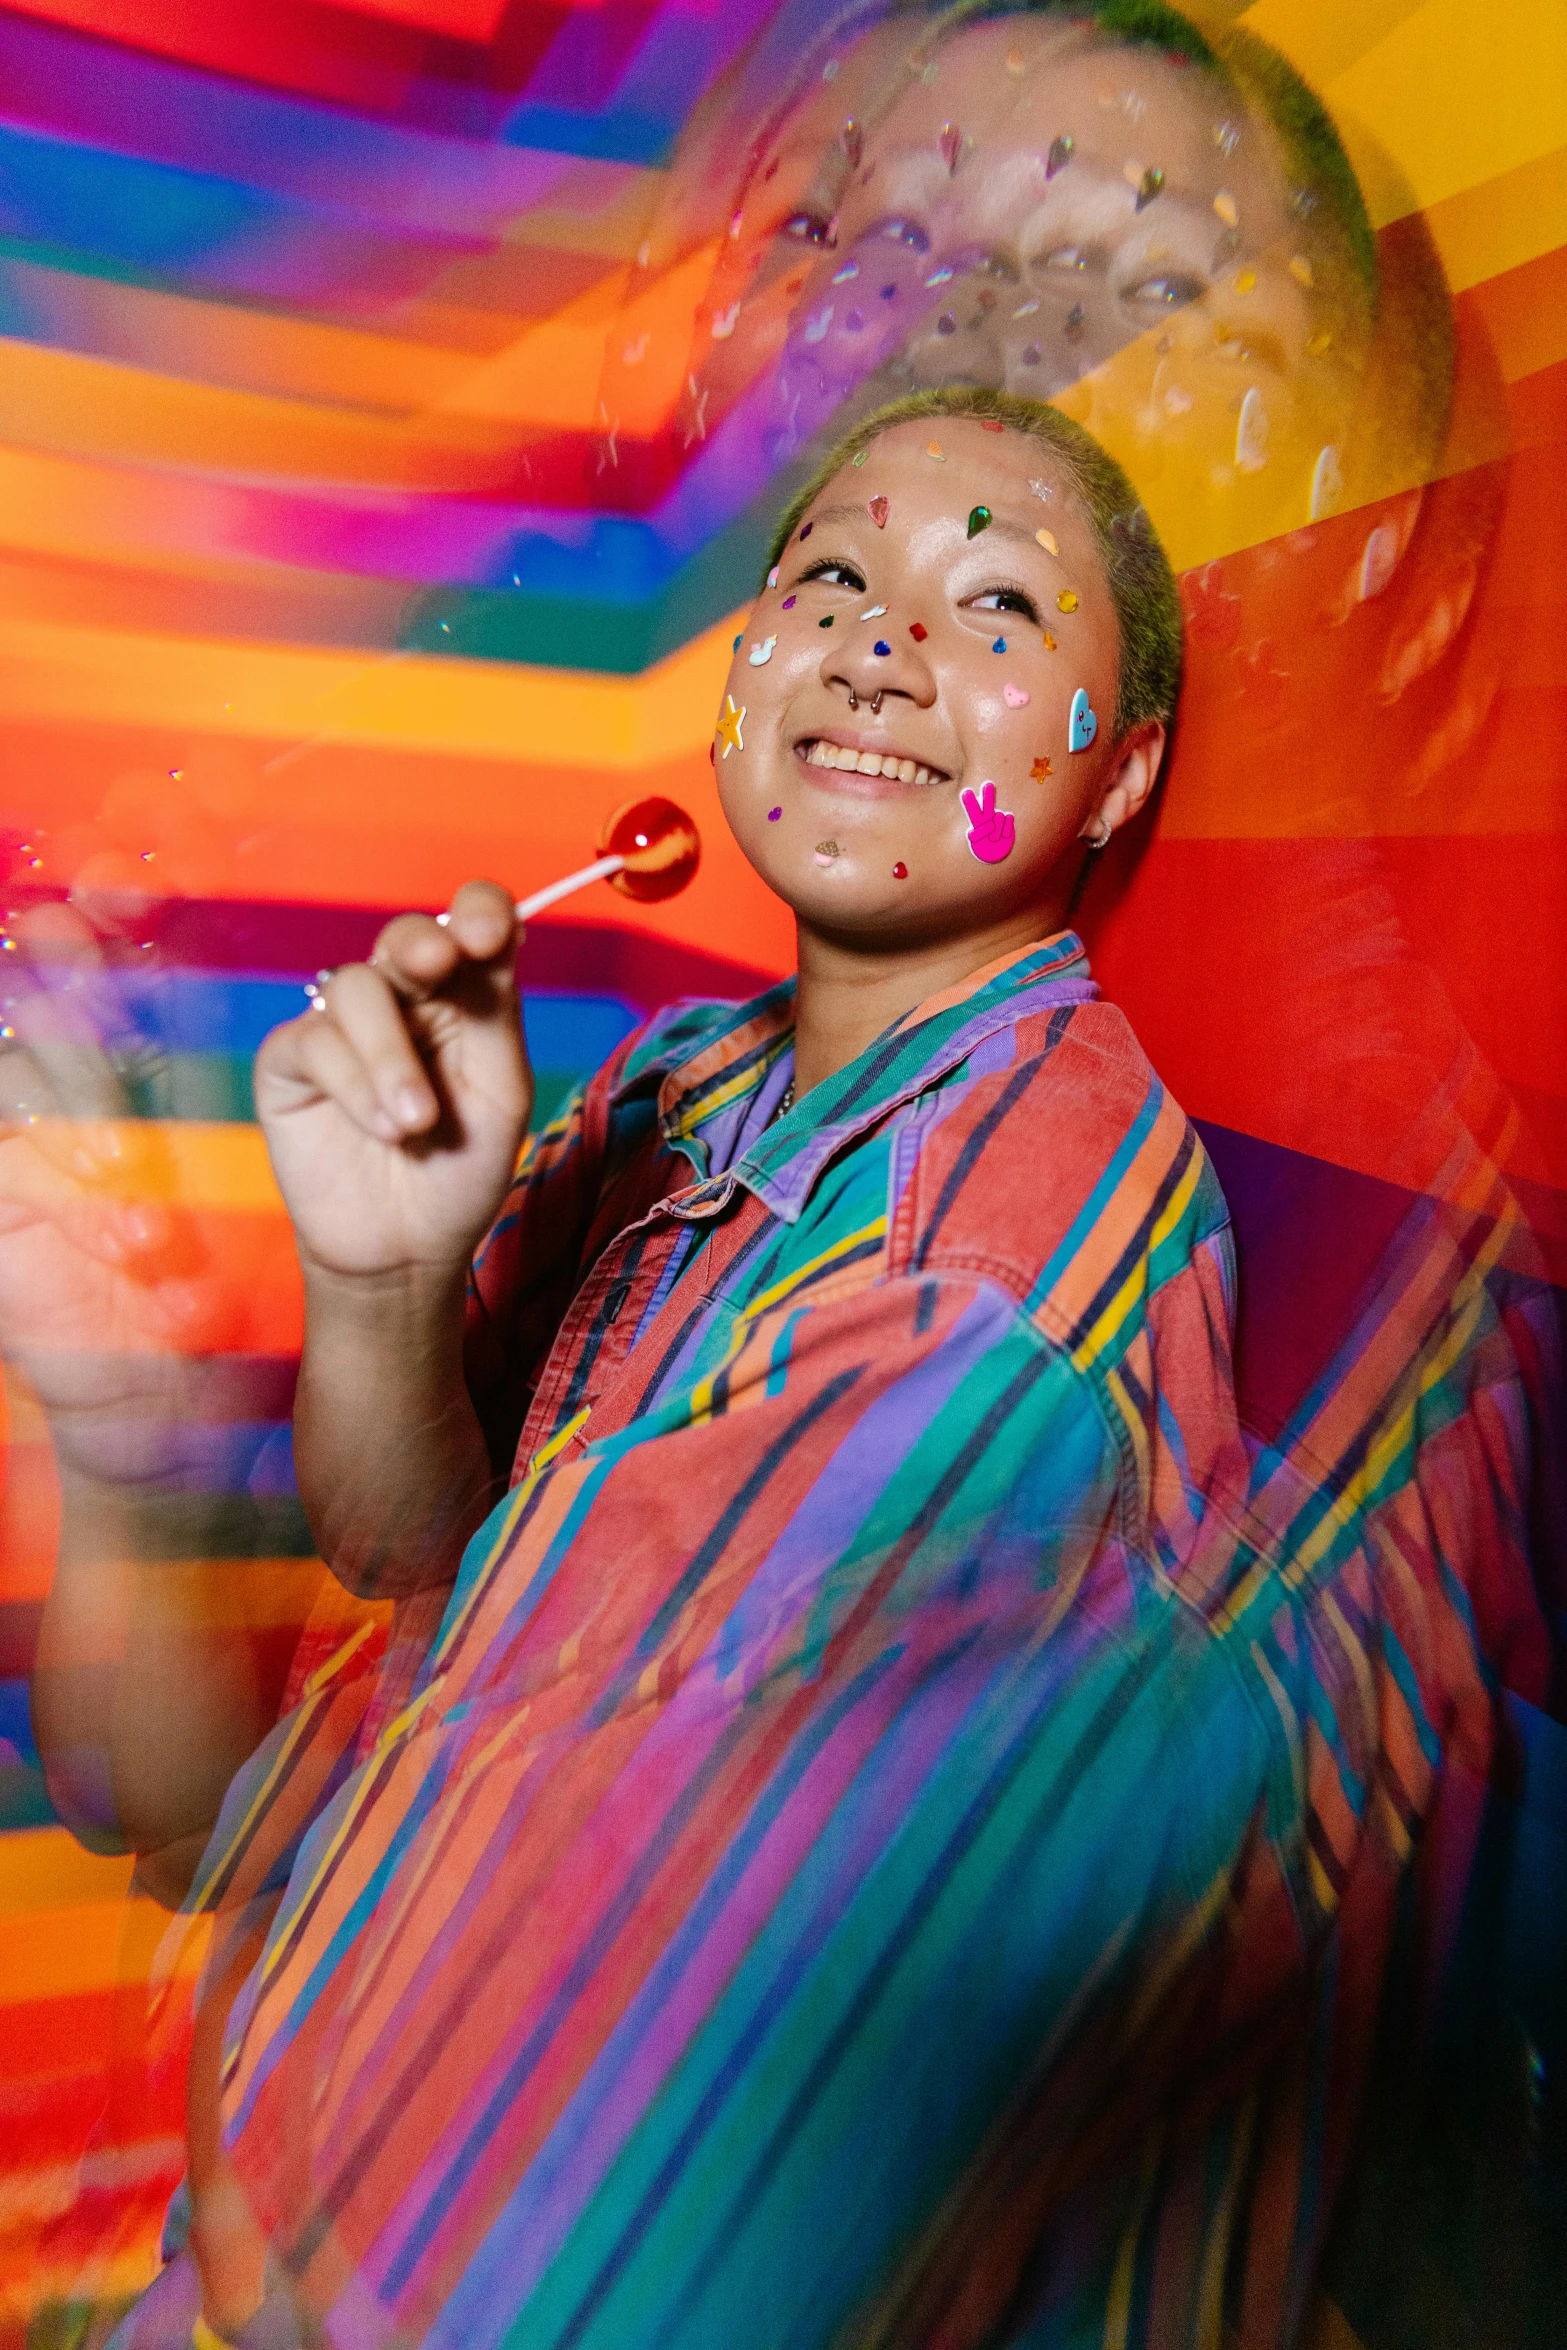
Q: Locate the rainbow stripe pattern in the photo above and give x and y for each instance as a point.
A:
(320, 589)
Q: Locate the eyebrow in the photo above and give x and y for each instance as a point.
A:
(1003, 529)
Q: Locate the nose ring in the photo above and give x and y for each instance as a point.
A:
(854, 699)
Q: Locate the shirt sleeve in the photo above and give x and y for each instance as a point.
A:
(529, 1265)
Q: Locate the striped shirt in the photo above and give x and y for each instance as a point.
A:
(893, 1838)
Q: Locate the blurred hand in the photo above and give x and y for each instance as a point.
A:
(394, 1114)
(108, 1297)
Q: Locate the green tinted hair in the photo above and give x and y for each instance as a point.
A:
(1136, 568)
(1313, 151)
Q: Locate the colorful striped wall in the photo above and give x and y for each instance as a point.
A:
(329, 577)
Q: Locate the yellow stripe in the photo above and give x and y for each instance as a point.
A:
(1396, 1436)
(1118, 2305)
(519, 1500)
(410, 701)
(1132, 1421)
(1215, 2256)
(730, 1090)
(745, 1324)
(1448, 97)
(1136, 1281)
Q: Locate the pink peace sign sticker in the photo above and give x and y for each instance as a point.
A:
(991, 831)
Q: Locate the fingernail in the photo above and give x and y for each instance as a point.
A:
(410, 1106)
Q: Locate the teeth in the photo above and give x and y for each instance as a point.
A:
(825, 754)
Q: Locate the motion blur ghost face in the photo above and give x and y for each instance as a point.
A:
(1030, 203)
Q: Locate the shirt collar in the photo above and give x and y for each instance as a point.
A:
(720, 1066)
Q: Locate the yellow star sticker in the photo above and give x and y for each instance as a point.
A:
(729, 726)
(1040, 769)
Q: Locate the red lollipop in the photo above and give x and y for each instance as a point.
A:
(660, 846)
(649, 849)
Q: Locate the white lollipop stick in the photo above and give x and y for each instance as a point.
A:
(599, 870)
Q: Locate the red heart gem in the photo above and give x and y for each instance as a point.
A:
(900, 872)
(918, 631)
(876, 508)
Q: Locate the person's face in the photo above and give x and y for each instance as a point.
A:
(907, 769)
(1066, 217)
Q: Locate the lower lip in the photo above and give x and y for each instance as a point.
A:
(849, 779)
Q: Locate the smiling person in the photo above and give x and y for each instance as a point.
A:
(829, 1876)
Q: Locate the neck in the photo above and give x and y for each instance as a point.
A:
(848, 993)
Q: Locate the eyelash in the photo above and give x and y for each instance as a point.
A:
(1010, 598)
(819, 570)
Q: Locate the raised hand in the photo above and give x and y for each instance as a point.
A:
(991, 830)
(394, 1114)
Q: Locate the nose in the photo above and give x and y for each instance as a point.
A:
(876, 658)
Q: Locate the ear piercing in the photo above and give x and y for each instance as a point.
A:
(1100, 839)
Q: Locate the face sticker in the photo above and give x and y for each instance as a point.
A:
(876, 508)
(935, 449)
(1082, 722)
(1041, 490)
(773, 815)
(827, 623)
(1040, 769)
(788, 603)
(874, 613)
(864, 453)
(772, 576)
(1300, 269)
(762, 652)
(881, 647)
(825, 851)
(918, 631)
(1225, 206)
(1060, 155)
(1015, 696)
(1000, 645)
(1066, 601)
(900, 871)
(1327, 484)
(806, 532)
(991, 423)
(735, 647)
(979, 519)
(951, 146)
(1149, 186)
(1050, 642)
(1047, 540)
(1251, 433)
(991, 831)
(729, 726)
